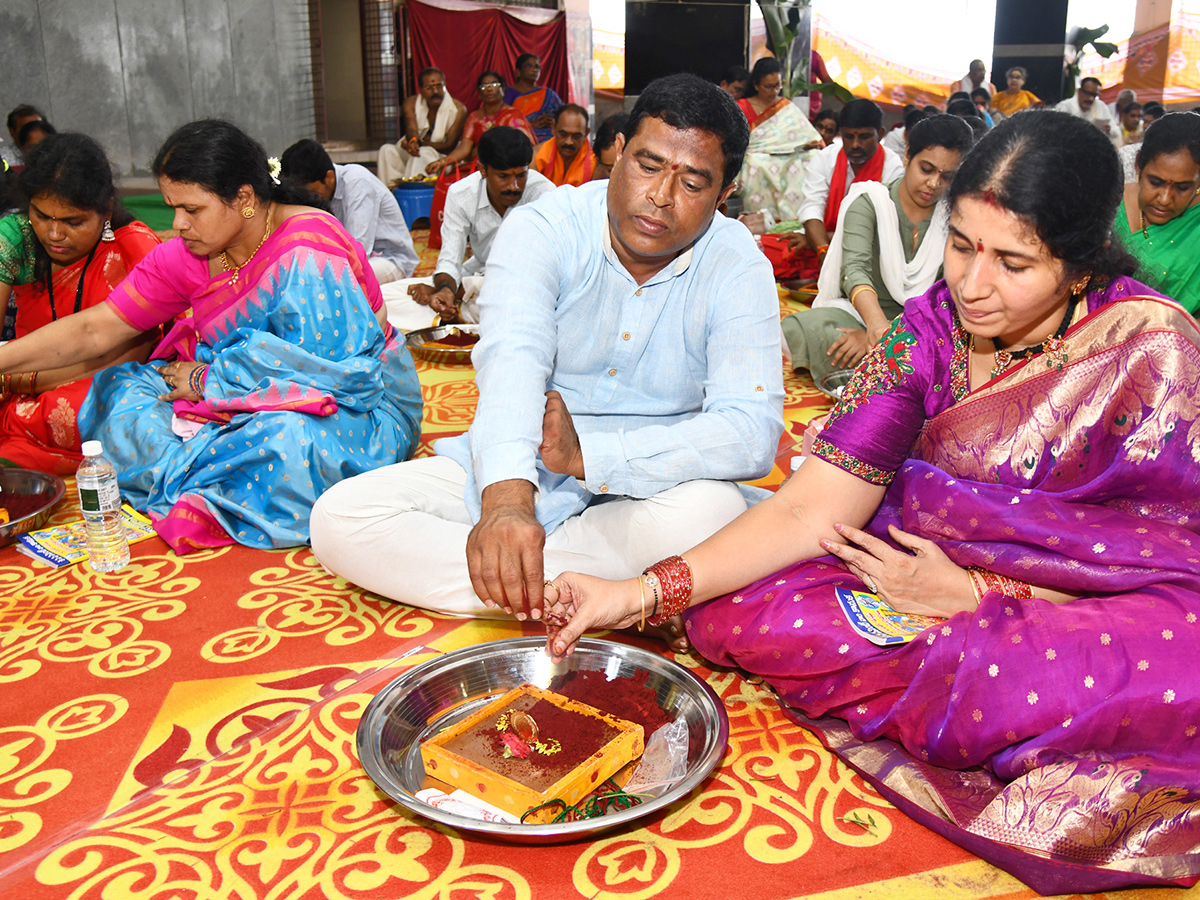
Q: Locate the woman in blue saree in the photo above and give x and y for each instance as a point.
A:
(283, 378)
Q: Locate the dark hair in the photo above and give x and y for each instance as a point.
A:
(958, 95)
(1167, 134)
(524, 58)
(964, 107)
(75, 169)
(861, 114)
(1021, 69)
(219, 157)
(768, 65)
(30, 128)
(606, 134)
(981, 92)
(1132, 104)
(1061, 176)
(687, 101)
(931, 109)
(502, 147)
(826, 113)
(946, 131)
(484, 74)
(912, 118)
(1153, 108)
(305, 162)
(572, 107)
(428, 70)
(19, 112)
(735, 73)
(978, 127)
(1095, 81)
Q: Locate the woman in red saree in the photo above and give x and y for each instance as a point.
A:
(493, 112)
(1019, 458)
(85, 246)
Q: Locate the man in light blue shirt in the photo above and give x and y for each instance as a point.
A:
(361, 202)
(629, 372)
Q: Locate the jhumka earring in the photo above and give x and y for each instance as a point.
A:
(107, 233)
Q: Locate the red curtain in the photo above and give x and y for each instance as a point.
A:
(463, 44)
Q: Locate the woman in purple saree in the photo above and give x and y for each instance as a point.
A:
(1019, 457)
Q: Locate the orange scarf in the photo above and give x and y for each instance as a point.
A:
(547, 161)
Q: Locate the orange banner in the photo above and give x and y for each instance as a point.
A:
(1162, 64)
(868, 73)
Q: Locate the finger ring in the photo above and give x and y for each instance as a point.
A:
(550, 584)
(870, 583)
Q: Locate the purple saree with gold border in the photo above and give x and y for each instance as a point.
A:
(1058, 741)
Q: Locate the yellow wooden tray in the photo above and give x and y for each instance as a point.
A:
(509, 794)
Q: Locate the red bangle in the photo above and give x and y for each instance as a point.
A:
(674, 575)
(1009, 587)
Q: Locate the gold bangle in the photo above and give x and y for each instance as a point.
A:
(642, 604)
(858, 290)
(975, 587)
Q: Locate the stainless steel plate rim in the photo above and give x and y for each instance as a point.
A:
(54, 489)
(415, 339)
(371, 753)
(838, 378)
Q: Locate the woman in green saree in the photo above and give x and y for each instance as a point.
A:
(1160, 219)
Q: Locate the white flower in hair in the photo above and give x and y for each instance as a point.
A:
(276, 167)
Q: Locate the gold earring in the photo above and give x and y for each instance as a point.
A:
(247, 212)
(1081, 286)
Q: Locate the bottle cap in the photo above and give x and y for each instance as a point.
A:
(92, 448)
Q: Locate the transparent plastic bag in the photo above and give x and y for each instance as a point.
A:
(664, 761)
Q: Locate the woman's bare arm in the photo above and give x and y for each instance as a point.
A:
(136, 349)
(78, 338)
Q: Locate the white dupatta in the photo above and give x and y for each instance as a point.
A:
(902, 280)
(442, 121)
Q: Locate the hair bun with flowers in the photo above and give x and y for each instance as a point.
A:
(276, 167)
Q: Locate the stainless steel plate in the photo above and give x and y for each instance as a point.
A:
(416, 340)
(835, 382)
(448, 689)
(48, 488)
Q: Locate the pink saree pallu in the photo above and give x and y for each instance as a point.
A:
(1057, 741)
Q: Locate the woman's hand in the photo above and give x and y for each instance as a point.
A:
(876, 330)
(924, 582)
(437, 165)
(177, 375)
(576, 603)
(848, 351)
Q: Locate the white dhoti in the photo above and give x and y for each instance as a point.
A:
(401, 531)
(407, 314)
(395, 162)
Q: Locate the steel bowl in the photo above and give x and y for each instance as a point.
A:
(416, 341)
(833, 383)
(25, 482)
(445, 690)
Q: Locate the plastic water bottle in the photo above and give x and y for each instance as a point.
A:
(100, 503)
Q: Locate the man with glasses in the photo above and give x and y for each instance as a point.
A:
(1084, 105)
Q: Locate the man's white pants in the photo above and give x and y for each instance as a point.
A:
(407, 314)
(395, 162)
(401, 531)
(385, 270)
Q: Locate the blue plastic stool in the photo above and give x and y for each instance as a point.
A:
(415, 202)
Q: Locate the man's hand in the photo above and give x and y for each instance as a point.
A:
(504, 551)
(560, 448)
(422, 293)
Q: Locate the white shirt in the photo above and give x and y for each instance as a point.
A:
(819, 172)
(896, 141)
(469, 217)
(1098, 115)
(968, 85)
(369, 211)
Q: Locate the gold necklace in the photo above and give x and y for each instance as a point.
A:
(1054, 347)
(237, 270)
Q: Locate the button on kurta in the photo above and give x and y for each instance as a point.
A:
(638, 292)
(625, 336)
(612, 371)
(604, 488)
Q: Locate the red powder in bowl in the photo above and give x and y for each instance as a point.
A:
(625, 698)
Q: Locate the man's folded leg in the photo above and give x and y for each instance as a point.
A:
(401, 531)
(619, 538)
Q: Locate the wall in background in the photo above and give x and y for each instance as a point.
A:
(127, 72)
